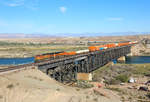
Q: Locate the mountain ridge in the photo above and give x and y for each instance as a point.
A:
(42, 35)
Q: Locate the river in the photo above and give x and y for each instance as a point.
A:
(16, 61)
(137, 59)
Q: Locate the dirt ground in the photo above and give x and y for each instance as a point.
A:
(117, 76)
(34, 86)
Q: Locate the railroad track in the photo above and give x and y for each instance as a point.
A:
(15, 68)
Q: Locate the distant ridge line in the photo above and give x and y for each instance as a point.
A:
(42, 35)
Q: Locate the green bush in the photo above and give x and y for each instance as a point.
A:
(148, 95)
(112, 82)
(83, 84)
(114, 89)
(122, 78)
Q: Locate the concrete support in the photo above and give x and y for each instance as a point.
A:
(121, 59)
(130, 54)
(84, 76)
(110, 63)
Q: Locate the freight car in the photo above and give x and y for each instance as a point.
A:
(49, 56)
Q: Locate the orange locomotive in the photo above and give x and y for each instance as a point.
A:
(53, 55)
(46, 56)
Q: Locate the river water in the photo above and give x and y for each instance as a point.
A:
(129, 60)
(137, 59)
(16, 61)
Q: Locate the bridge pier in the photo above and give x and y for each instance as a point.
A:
(130, 54)
(121, 59)
(110, 63)
(84, 76)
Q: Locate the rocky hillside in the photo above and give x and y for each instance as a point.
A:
(34, 86)
(140, 49)
(118, 78)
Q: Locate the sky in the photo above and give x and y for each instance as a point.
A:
(74, 16)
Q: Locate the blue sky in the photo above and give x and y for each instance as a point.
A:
(74, 16)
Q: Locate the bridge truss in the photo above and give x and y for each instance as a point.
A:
(66, 69)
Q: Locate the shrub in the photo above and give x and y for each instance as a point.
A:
(148, 95)
(83, 84)
(122, 78)
(113, 82)
(10, 86)
(114, 89)
(58, 89)
(95, 99)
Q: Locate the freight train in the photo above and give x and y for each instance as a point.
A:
(55, 55)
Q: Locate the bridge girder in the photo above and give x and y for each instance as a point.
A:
(67, 68)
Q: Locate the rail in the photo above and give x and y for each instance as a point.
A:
(15, 68)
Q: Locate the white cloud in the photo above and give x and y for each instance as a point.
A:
(63, 9)
(31, 4)
(13, 4)
(115, 19)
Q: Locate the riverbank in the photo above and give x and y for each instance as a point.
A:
(116, 79)
(140, 50)
(23, 48)
(29, 47)
(31, 51)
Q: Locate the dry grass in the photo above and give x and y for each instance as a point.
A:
(121, 72)
(29, 51)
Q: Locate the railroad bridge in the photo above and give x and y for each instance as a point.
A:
(66, 69)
